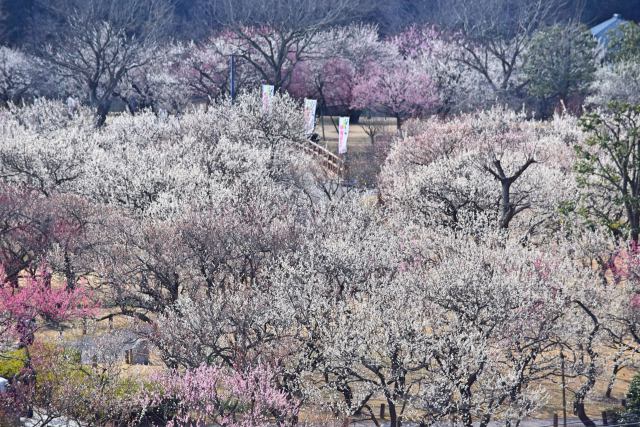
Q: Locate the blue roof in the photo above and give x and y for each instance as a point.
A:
(602, 30)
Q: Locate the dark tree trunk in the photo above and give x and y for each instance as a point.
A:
(394, 420)
(635, 227)
(582, 415)
(354, 116)
(68, 272)
(101, 113)
(617, 366)
(506, 208)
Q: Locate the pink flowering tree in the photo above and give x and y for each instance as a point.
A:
(400, 90)
(459, 87)
(204, 69)
(330, 81)
(266, 52)
(416, 42)
(339, 56)
(273, 35)
(24, 310)
(229, 398)
(36, 303)
(32, 225)
(622, 267)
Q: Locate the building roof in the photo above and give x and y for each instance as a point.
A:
(603, 30)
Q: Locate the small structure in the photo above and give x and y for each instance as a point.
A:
(603, 31)
(4, 383)
(137, 352)
(113, 347)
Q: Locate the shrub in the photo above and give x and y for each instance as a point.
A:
(631, 412)
(11, 363)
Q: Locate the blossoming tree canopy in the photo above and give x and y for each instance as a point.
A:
(400, 90)
(36, 303)
(233, 398)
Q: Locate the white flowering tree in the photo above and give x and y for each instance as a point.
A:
(273, 36)
(442, 296)
(616, 82)
(493, 163)
(95, 44)
(18, 76)
(44, 147)
(494, 36)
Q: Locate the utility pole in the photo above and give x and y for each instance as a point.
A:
(232, 77)
(564, 395)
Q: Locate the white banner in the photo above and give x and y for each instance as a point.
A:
(267, 98)
(343, 135)
(310, 106)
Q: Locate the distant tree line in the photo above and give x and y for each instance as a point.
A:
(21, 19)
(463, 55)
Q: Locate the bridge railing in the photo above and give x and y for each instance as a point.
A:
(328, 160)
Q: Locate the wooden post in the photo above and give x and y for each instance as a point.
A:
(382, 411)
(624, 403)
(555, 420)
(604, 418)
(84, 326)
(110, 323)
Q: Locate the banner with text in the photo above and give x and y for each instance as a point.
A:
(267, 98)
(343, 135)
(310, 106)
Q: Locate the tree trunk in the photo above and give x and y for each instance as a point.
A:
(607, 393)
(394, 420)
(466, 419)
(582, 415)
(354, 116)
(101, 113)
(335, 125)
(635, 227)
(578, 401)
(617, 366)
(68, 272)
(505, 205)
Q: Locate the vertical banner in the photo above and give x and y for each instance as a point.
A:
(310, 106)
(267, 98)
(343, 135)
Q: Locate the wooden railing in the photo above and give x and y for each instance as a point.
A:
(328, 160)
